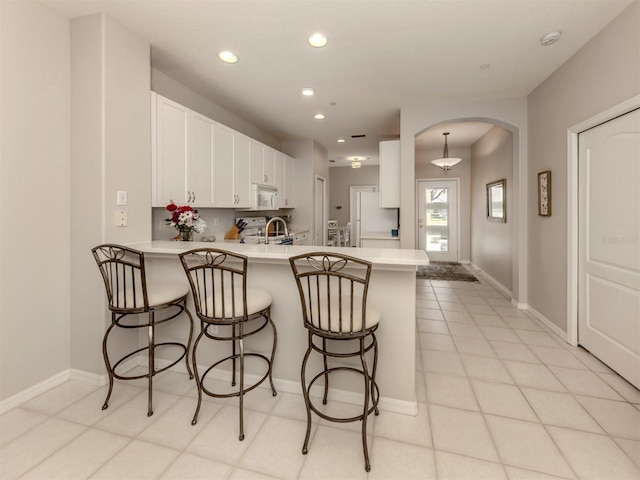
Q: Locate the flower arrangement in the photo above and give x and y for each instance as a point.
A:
(186, 220)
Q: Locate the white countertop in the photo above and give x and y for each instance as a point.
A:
(379, 236)
(377, 256)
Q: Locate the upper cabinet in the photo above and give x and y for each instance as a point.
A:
(183, 144)
(203, 163)
(390, 174)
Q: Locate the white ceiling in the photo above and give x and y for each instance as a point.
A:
(381, 55)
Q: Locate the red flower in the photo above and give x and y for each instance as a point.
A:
(171, 207)
(186, 208)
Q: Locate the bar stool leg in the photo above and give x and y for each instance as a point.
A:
(151, 361)
(273, 354)
(186, 354)
(107, 363)
(195, 371)
(305, 394)
(365, 411)
(233, 357)
(326, 372)
(241, 347)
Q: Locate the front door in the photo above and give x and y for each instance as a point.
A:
(609, 244)
(438, 219)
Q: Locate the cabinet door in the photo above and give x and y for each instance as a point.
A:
(269, 166)
(288, 182)
(200, 166)
(241, 169)
(171, 153)
(279, 179)
(390, 174)
(257, 160)
(224, 166)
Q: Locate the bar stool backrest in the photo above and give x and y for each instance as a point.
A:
(123, 272)
(333, 292)
(218, 282)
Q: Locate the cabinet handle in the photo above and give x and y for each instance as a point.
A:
(188, 196)
(194, 197)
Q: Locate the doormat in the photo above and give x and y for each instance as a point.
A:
(445, 271)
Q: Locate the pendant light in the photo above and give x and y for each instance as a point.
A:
(445, 163)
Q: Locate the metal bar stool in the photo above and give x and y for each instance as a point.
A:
(129, 293)
(229, 311)
(333, 294)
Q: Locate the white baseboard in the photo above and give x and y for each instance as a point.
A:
(32, 392)
(492, 281)
(547, 323)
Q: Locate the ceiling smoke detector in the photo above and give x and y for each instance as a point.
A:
(550, 38)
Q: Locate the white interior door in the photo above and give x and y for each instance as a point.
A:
(438, 219)
(609, 244)
(320, 216)
(353, 213)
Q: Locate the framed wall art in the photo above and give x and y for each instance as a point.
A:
(544, 193)
(497, 201)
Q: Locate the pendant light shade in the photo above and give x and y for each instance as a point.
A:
(445, 163)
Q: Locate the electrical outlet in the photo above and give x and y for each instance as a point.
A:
(162, 225)
(122, 197)
(121, 218)
(215, 221)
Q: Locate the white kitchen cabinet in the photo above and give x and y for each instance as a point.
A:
(379, 243)
(287, 194)
(182, 150)
(263, 164)
(301, 238)
(390, 174)
(279, 177)
(232, 168)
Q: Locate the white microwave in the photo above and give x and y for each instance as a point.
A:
(264, 197)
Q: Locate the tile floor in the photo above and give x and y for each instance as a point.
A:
(500, 397)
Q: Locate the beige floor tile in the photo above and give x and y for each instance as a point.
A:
(432, 326)
(452, 466)
(26, 451)
(59, 397)
(514, 351)
(405, 428)
(560, 409)
(81, 457)
(174, 382)
(489, 319)
(480, 308)
(618, 419)
(474, 346)
(450, 391)
(558, 357)
(533, 375)
(218, 440)
(503, 400)
(452, 306)
(335, 454)
(448, 298)
(276, 449)
(469, 300)
(191, 467)
(541, 339)
(499, 334)
(462, 432)
(429, 314)
(594, 456)
(436, 341)
(620, 385)
(243, 474)
(522, 323)
(139, 460)
(631, 448)
(88, 410)
(465, 330)
(583, 382)
(484, 368)
(391, 459)
(18, 421)
(442, 362)
(533, 450)
(427, 304)
(522, 474)
(455, 316)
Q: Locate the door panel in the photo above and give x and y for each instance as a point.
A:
(438, 219)
(609, 244)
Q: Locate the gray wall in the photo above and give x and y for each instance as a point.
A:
(491, 243)
(34, 194)
(341, 178)
(604, 73)
(425, 170)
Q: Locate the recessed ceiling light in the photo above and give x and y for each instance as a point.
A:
(307, 91)
(550, 38)
(317, 40)
(357, 158)
(227, 56)
(319, 116)
(341, 140)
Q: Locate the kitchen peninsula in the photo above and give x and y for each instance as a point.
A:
(391, 289)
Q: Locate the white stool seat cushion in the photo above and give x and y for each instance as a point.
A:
(159, 294)
(373, 315)
(257, 300)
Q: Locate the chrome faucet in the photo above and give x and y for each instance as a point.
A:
(266, 229)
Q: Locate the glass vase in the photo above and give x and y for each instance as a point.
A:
(186, 235)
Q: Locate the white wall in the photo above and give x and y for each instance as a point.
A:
(426, 170)
(604, 73)
(34, 195)
(111, 151)
(491, 242)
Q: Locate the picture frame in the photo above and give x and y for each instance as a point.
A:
(544, 193)
(497, 201)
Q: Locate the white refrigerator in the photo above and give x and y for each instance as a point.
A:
(370, 218)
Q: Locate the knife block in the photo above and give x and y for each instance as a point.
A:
(233, 234)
